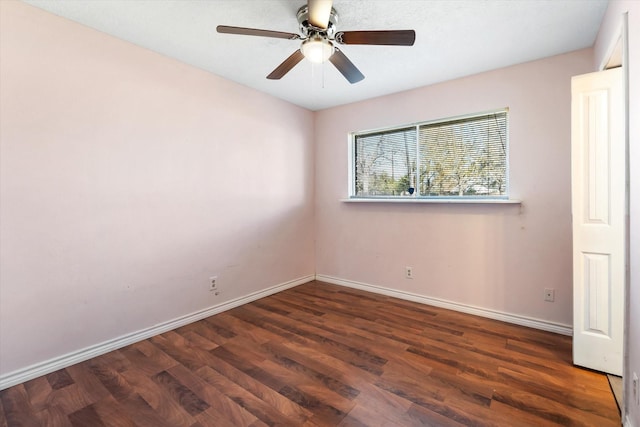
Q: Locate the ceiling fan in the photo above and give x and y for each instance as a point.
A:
(317, 20)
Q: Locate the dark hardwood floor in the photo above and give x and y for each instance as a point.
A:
(323, 355)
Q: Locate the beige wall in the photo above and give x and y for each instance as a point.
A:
(127, 179)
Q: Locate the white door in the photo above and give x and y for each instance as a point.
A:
(598, 203)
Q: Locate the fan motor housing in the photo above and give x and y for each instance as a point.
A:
(309, 30)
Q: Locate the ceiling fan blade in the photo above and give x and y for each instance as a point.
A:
(391, 37)
(346, 67)
(319, 13)
(286, 66)
(256, 32)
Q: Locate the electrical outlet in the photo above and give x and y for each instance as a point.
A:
(213, 283)
(408, 272)
(549, 294)
(634, 387)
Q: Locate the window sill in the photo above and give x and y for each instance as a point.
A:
(411, 200)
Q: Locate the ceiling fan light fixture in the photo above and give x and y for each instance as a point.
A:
(317, 49)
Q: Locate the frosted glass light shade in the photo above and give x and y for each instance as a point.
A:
(317, 49)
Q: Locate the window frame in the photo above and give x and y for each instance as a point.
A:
(500, 199)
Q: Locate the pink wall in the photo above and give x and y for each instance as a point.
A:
(127, 179)
(498, 257)
(609, 32)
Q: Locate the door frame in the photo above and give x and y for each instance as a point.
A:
(620, 45)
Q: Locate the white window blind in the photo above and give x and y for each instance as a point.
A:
(453, 158)
(385, 162)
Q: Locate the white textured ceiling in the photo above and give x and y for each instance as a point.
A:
(454, 38)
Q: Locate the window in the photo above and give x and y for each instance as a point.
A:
(462, 157)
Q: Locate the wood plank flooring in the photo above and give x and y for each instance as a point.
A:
(324, 355)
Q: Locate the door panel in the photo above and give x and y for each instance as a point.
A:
(598, 204)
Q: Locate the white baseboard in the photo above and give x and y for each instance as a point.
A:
(30, 372)
(464, 308)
